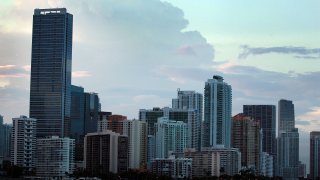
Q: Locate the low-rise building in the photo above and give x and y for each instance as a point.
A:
(214, 161)
(176, 168)
(55, 157)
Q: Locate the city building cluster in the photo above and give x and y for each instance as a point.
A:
(67, 130)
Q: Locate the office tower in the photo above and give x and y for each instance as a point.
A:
(246, 137)
(315, 154)
(136, 130)
(217, 113)
(190, 117)
(23, 142)
(288, 142)
(105, 152)
(77, 120)
(85, 108)
(77, 113)
(286, 119)
(115, 123)
(214, 161)
(288, 154)
(5, 140)
(151, 117)
(302, 170)
(55, 157)
(92, 109)
(170, 136)
(266, 115)
(266, 165)
(192, 101)
(50, 85)
(103, 121)
(176, 168)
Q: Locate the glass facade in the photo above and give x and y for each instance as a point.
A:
(217, 113)
(51, 58)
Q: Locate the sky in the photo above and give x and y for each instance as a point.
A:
(136, 53)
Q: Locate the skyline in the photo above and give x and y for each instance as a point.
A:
(119, 42)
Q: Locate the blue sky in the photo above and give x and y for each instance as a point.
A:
(135, 54)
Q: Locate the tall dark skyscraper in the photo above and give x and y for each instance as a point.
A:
(266, 115)
(288, 141)
(51, 58)
(315, 154)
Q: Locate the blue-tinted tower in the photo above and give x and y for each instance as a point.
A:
(51, 58)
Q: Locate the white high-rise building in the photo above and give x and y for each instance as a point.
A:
(55, 157)
(23, 142)
(136, 131)
(193, 102)
(217, 113)
(266, 164)
(170, 136)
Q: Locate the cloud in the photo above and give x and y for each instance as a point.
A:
(299, 52)
(80, 74)
(116, 45)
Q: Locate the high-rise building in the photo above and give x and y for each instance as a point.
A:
(288, 142)
(50, 95)
(193, 102)
(170, 136)
(23, 142)
(103, 121)
(77, 126)
(266, 165)
(217, 113)
(315, 154)
(302, 170)
(286, 119)
(190, 117)
(55, 157)
(115, 123)
(214, 161)
(105, 152)
(136, 130)
(246, 137)
(5, 140)
(151, 117)
(266, 115)
(92, 109)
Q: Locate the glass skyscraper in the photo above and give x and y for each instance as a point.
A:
(217, 113)
(51, 58)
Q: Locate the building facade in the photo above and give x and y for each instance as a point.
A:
(192, 101)
(106, 152)
(266, 164)
(170, 136)
(287, 142)
(50, 86)
(217, 113)
(214, 161)
(136, 130)
(55, 157)
(246, 137)
(176, 168)
(315, 154)
(23, 142)
(115, 123)
(5, 140)
(266, 115)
